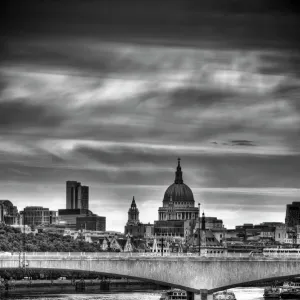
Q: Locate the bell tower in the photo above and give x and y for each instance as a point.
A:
(133, 214)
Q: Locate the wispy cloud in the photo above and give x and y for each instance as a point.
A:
(115, 110)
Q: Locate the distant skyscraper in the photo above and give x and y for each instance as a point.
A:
(77, 196)
(292, 216)
(85, 197)
(72, 194)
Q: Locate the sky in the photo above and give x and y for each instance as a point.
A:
(111, 93)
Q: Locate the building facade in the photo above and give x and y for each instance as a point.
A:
(280, 234)
(84, 197)
(77, 219)
(292, 217)
(212, 223)
(149, 230)
(68, 217)
(77, 195)
(268, 233)
(219, 234)
(178, 207)
(8, 213)
(93, 223)
(38, 215)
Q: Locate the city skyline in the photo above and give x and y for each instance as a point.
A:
(114, 106)
(213, 214)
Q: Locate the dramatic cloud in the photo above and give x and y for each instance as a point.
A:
(113, 105)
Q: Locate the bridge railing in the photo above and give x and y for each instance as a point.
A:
(91, 255)
(123, 254)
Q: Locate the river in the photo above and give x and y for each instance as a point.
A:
(240, 293)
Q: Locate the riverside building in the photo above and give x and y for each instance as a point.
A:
(37, 215)
(8, 213)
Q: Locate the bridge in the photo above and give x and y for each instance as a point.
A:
(197, 275)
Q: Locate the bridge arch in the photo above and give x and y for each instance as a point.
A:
(157, 282)
(189, 273)
(249, 283)
(210, 291)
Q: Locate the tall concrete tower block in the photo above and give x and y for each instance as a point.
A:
(84, 197)
(75, 194)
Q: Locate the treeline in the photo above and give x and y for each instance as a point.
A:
(11, 240)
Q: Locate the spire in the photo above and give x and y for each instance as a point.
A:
(133, 202)
(203, 221)
(178, 174)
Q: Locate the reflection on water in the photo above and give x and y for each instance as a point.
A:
(113, 296)
(240, 293)
(248, 293)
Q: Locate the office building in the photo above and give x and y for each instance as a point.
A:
(84, 197)
(212, 223)
(92, 223)
(8, 213)
(76, 219)
(77, 196)
(292, 217)
(38, 215)
(68, 217)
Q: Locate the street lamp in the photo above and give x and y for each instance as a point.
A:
(22, 260)
(24, 238)
(294, 239)
(199, 236)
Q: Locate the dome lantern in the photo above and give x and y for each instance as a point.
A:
(133, 204)
(178, 174)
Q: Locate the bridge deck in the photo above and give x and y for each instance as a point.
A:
(184, 271)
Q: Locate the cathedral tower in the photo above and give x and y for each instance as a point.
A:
(133, 214)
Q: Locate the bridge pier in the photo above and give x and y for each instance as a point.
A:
(190, 296)
(203, 294)
(199, 296)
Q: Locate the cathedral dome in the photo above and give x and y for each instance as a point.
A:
(178, 191)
